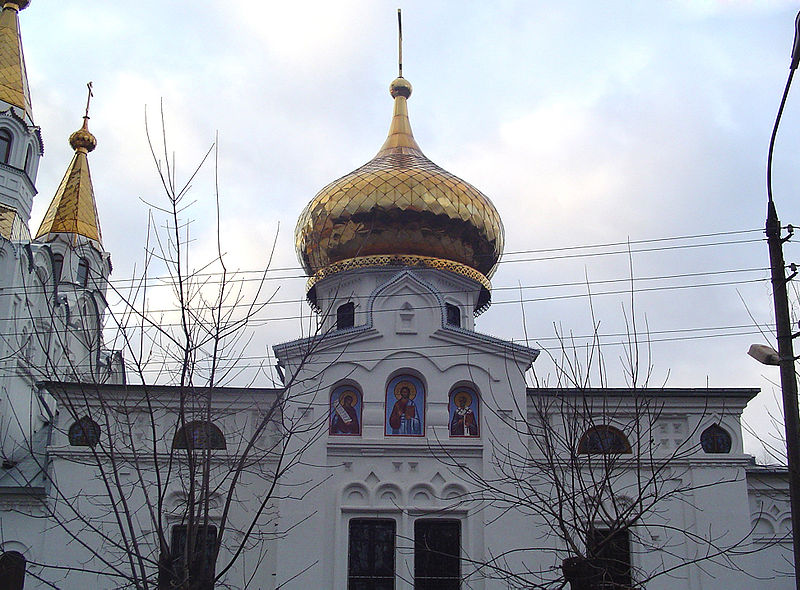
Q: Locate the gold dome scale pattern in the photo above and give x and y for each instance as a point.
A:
(399, 205)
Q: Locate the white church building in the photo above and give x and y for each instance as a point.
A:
(405, 448)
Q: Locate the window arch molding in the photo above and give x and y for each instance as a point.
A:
(604, 439)
(407, 371)
(199, 435)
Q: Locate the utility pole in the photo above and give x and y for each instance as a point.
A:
(784, 326)
(786, 363)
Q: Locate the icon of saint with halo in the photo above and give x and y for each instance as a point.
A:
(405, 416)
(463, 421)
(344, 417)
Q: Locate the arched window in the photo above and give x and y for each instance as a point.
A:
(28, 160)
(464, 412)
(453, 315)
(58, 267)
(346, 316)
(604, 440)
(83, 272)
(199, 435)
(84, 433)
(5, 145)
(715, 439)
(12, 570)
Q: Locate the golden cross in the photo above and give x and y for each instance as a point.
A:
(88, 99)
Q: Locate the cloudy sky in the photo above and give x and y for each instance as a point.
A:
(587, 124)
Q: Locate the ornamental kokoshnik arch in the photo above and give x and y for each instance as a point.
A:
(405, 407)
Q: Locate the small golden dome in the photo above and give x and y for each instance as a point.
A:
(400, 87)
(83, 138)
(399, 204)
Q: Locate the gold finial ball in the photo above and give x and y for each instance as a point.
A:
(18, 4)
(400, 87)
(83, 138)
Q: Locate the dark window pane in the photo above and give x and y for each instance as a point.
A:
(437, 555)
(716, 439)
(371, 554)
(609, 553)
(12, 570)
(5, 145)
(453, 315)
(604, 440)
(58, 266)
(346, 316)
(84, 433)
(200, 555)
(199, 435)
(83, 272)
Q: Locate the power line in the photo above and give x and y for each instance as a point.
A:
(256, 321)
(505, 259)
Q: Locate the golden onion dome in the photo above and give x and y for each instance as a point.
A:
(83, 138)
(400, 209)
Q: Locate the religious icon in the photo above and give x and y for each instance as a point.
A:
(405, 396)
(345, 411)
(463, 413)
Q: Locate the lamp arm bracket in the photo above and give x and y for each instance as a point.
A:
(794, 270)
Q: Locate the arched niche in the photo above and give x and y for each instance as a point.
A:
(405, 404)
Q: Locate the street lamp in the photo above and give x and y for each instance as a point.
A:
(784, 357)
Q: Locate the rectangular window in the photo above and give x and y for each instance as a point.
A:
(610, 552)
(453, 315)
(371, 554)
(437, 554)
(346, 316)
(200, 554)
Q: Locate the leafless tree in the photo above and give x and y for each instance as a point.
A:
(169, 478)
(604, 474)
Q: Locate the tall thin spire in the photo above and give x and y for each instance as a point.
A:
(401, 139)
(14, 89)
(399, 43)
(73, 209)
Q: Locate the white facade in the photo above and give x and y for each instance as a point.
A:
(522, 474)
